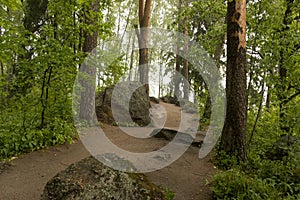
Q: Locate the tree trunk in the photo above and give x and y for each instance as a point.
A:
(219, 50)
(233, 140)
(178, 58)
(217, 58)
(131, 59)
(160, 78)
(144, 20)
(259, 108)
(207, 109)
(87, 103)
(269, 92)
(268, 100)
(185, 63)
(283, 71)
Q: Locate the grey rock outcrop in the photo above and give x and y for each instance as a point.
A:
(90, 179)
(138, 105)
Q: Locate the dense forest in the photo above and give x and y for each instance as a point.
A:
(255, 47)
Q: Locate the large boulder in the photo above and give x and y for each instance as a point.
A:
(183, 138)
(90, 179)
(138, 105)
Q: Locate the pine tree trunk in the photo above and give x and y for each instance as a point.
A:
(88, 80)
(185, 63)
(144, 20)
(283, 71)
(233, 140)
(178, 58)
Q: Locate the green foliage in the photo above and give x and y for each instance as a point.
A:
(208, 21)
(236, 185)
(169, 194)
(225, 161)
(273, 61)
(273, 32)
(112, 74)
(42, 49)
(13, 143)
(258, 178)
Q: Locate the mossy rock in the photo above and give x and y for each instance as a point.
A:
(139, 105)
(90, 179)
(169, 134)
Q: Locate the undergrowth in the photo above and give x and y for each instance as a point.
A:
(263, 175)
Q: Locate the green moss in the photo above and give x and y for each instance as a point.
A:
(90, 179)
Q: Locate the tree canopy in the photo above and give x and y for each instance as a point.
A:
(44, 43)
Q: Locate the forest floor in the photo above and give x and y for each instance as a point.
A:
(188, 177)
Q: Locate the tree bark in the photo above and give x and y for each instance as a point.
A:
(217, 58)
(259, 109)
(233, 140)
(160, 78)
(185, 63)
(131, 59)
(283, 86)
(88, 81)
(178, 58)
(219, 50)
(144, 20)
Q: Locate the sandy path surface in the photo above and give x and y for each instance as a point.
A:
(187, 177)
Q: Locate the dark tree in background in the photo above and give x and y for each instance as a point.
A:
(284, 87)
(185, 69)
(35, 11)
(178, 58)
(87, 103)
(182, 27)
(233, 140)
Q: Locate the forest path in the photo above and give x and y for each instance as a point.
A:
(27, 175)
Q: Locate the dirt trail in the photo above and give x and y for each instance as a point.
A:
(187, 177)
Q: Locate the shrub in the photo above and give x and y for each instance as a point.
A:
(13, 143)
(234, 184)
(258, 179)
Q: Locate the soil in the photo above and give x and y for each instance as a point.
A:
(188, 177)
